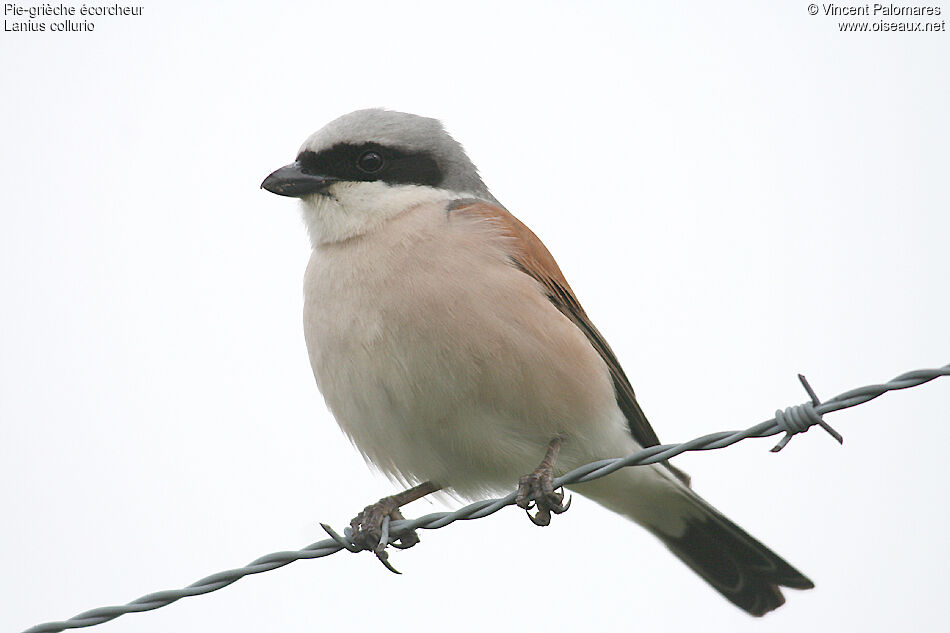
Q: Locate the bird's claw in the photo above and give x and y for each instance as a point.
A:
(369, 530)
(536, 490)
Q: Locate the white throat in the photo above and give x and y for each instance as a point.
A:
(348, 209)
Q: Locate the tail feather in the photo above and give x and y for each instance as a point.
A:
(743, 570)
(735, 564)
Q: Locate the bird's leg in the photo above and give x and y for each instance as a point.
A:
(537, 488)
(366, 527)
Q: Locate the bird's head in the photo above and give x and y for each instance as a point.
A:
(371, 165)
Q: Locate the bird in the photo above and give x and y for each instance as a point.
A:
(453, 353)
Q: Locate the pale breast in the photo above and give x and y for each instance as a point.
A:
(442, 361)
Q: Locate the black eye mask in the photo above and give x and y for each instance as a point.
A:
(369, 162)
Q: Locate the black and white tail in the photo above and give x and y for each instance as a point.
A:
(735, 564)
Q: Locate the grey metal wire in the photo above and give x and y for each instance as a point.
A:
(791, 421)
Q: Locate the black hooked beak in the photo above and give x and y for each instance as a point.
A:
(291, 180)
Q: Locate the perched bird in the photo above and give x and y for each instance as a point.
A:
(453, 353)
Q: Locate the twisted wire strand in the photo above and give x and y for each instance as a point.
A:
(791, 421)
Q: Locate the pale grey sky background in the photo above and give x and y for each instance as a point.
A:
(737, 191)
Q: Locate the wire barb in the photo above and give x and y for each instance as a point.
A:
(790, 421)
(380, 550)
(815, 401)
(800, 418)
(343, 542)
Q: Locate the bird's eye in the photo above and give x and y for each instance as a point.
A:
(370, 162)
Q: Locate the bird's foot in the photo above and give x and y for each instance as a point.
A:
(366, 528)
(369, 530)
(536, 489)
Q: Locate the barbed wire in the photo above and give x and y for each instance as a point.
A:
(791, 421)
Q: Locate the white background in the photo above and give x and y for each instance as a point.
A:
(737, 194)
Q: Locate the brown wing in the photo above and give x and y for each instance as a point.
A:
(530, 255)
